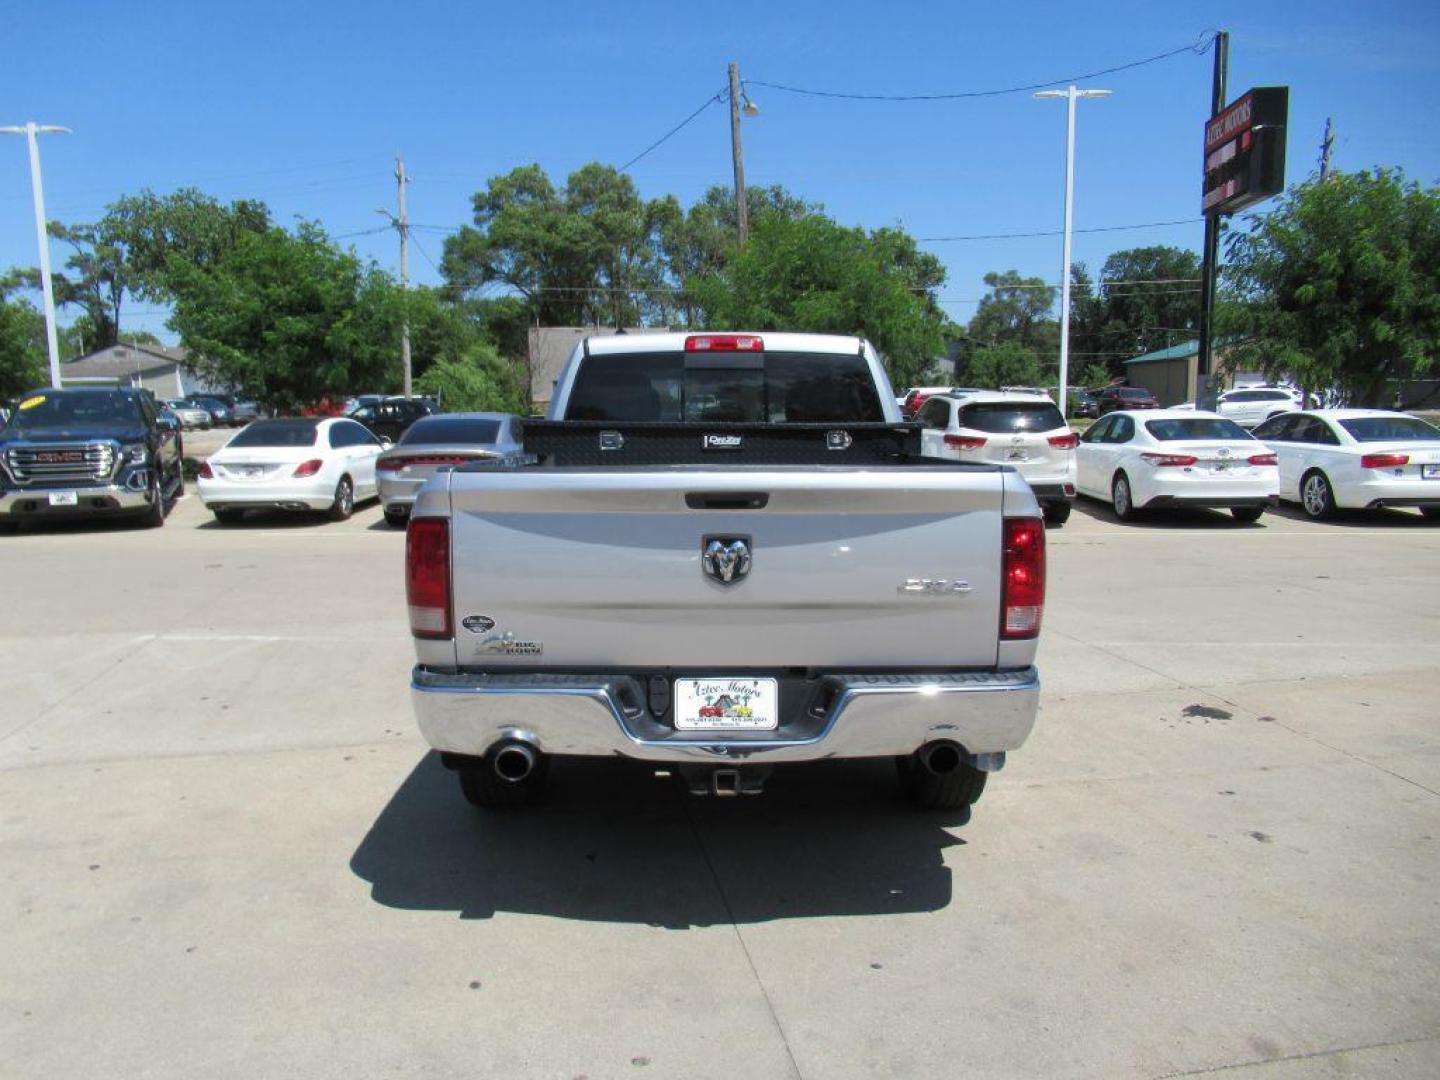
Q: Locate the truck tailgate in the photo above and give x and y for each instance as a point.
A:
(603, 568)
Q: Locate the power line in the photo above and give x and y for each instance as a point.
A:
(1054, 232)
(420, 248)
(714, 99)
(362, 232)
(1199, 47)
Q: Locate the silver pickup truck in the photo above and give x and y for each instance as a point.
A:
(723, 553)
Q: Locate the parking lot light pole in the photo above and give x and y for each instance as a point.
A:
(37, 189)
(1070, 94)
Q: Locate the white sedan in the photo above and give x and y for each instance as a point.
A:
(298, 464)
(1175, 458)
(1356, 459)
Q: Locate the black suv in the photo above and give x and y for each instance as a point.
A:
(391, 418)
(88, 452)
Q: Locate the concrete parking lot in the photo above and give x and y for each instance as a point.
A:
(226, 853)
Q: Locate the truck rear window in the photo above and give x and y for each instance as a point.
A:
(1005, 416)
(724, 388)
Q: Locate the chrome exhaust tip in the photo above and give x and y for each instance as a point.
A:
(513, 762)
(940, 758)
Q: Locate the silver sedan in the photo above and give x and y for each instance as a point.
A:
(434, 444)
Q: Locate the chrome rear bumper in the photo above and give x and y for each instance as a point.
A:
(595, 716)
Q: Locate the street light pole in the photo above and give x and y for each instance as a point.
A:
(52, 339)
(1070, 94)
(742, 205)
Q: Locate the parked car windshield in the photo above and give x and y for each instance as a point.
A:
(445, 429)
(277, 433)
(74, 409)
(1390, 428)
(1134, 392)
(1201, 427)
(1003, 416)
(724, 387)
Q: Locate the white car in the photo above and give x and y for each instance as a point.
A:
(1252, 405)
(1021, 429)
(1356, 459)
(1175, 458)
(296, 464)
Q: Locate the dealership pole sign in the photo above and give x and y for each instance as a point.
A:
(1245, 151)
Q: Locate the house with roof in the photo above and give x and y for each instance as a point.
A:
(1171, 374)
(162, 369)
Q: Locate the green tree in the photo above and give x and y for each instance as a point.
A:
(479, 380)
(589, 253)
(1147, 298)
(1016, 310)
(1339, 285)
(1006, 364)
(22, 340)
(812, 274)
(287, 318)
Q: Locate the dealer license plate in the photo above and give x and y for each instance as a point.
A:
(726, 704)
(64, 498)
(1430, 472)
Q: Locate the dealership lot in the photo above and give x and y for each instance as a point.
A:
(225, 850)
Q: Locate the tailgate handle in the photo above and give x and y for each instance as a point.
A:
(727, 500)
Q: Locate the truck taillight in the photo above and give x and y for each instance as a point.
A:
(724, 343)
(1065, 442)
(1384, 461)
(1022, 599)
(427, 577)
(965, 442)
(204, 472)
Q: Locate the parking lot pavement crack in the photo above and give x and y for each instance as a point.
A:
(140, 643)
(739, 937)
(1216, 1070)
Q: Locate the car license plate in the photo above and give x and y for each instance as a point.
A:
(252, 472)
(1017, 455)
(64, 498)
(726, 704)
(1430, 472)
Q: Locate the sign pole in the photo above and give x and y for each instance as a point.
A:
(1205, 391)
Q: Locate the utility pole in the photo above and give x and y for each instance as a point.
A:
(742, 208)
(1325, 146)
(1071, 94)
(37, 189)
(403, 225)
(1204, 388)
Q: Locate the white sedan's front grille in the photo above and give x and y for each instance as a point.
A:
(61, 463)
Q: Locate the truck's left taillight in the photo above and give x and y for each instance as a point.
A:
(427, 577)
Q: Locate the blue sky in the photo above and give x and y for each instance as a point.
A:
(305, 104)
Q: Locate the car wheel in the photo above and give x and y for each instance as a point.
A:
(154, 515)
(396, 518)
(229, 517)
(955, 790)
(179, 468)
(481, 787)
(1121, 498)
(1057, 513)
(344, 504)
(1316, 497)
(1247, 514)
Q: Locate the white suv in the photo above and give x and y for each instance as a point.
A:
(1251, 405)
(1015, 428)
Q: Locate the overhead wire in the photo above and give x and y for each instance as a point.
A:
(713, 99)
(1055, 232)
(1198, 47)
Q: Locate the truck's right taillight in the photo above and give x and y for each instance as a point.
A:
(427, 577)
(1022, 600)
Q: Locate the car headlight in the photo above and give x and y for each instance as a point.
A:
(136, 455)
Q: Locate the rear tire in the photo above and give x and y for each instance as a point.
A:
(1122, 498)
(396, 519)
(1247, 514)
(1057, 513)
(956, 790)
(344, 504)
(481, 787)
(1317, 498)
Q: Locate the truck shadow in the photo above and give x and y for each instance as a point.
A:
(614, 843)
